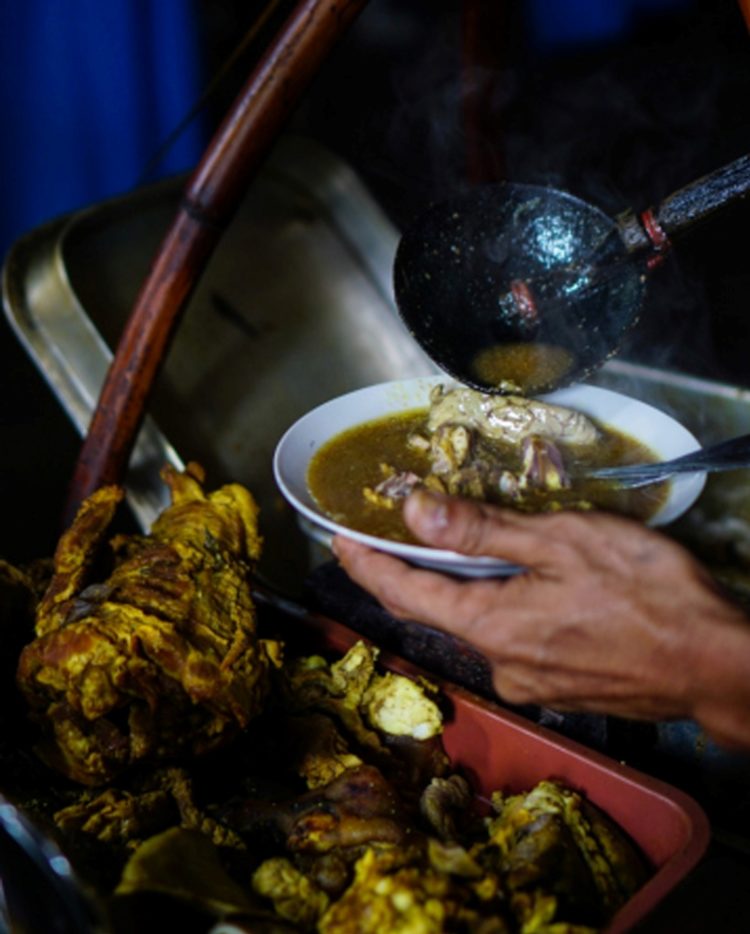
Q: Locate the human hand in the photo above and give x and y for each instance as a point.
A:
(610, 617)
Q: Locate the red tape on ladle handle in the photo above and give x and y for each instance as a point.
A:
(677, 213)
(209, 202)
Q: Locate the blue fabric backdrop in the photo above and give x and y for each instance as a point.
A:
(89, 89)
(555, 25)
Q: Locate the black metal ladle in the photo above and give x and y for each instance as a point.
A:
(518, 287)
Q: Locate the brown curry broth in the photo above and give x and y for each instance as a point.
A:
(351, 460)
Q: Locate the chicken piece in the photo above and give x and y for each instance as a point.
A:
(552, 841)
(445, 803)
(396, 891)
(457, 463)
(394, 719)
(398, 706)
(311, 683)
(391, 492)
(295, 896)
(450, 447)
(118, 816)
(320, 752)
(454, 859)
(178, 784)
(126, 818)
(358, 808)
(368, 704)
(509, 418)
(162, 656)
(542, 466)
(75, 555)
(392, 489)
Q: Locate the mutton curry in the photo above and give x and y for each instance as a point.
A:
(508, 450)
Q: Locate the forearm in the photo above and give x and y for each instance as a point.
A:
(722, 672)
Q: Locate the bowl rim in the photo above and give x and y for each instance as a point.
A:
(296, 446)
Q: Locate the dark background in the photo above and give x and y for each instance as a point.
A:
(619, 103)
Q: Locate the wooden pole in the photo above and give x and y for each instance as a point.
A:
(208, 204)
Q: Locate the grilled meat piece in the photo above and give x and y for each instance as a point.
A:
(445, 805)
(128, 817)
(543, 467)
(395, 487)
(509, 418)
(120, 817)
(319, 753)
(397, 890)
(357, 808)
(560, 857)
(295, 896)
(386, 719)
(162, 656)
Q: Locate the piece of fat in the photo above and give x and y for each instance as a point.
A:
(510, 418)
(399, 706)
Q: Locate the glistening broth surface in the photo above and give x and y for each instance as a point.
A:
(351, 461)
(522, 365)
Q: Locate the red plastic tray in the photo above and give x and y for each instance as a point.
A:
(501, 750)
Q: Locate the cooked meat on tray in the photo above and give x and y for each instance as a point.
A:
(235, 774)
(158, 655)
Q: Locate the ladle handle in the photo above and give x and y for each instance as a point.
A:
(654, 228)
(705, 195)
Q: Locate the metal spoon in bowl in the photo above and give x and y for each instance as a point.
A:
(515, 287)
(732, 454)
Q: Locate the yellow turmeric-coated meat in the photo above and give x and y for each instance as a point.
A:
(392, 891)
(161, 657)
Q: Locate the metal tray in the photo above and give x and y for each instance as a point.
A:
(294, 307)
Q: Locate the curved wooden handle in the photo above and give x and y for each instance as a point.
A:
(654, 228)
(209, 202)
(702, 197)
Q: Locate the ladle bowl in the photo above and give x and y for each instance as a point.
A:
(521, 288)
(455, 269)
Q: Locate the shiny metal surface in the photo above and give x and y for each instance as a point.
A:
(471, 253)
(39, 890)
(733, 454)
(295, 308)
(505, 264)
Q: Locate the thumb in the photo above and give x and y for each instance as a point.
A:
(472, 528)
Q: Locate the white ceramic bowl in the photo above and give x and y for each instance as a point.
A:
(665, 436)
